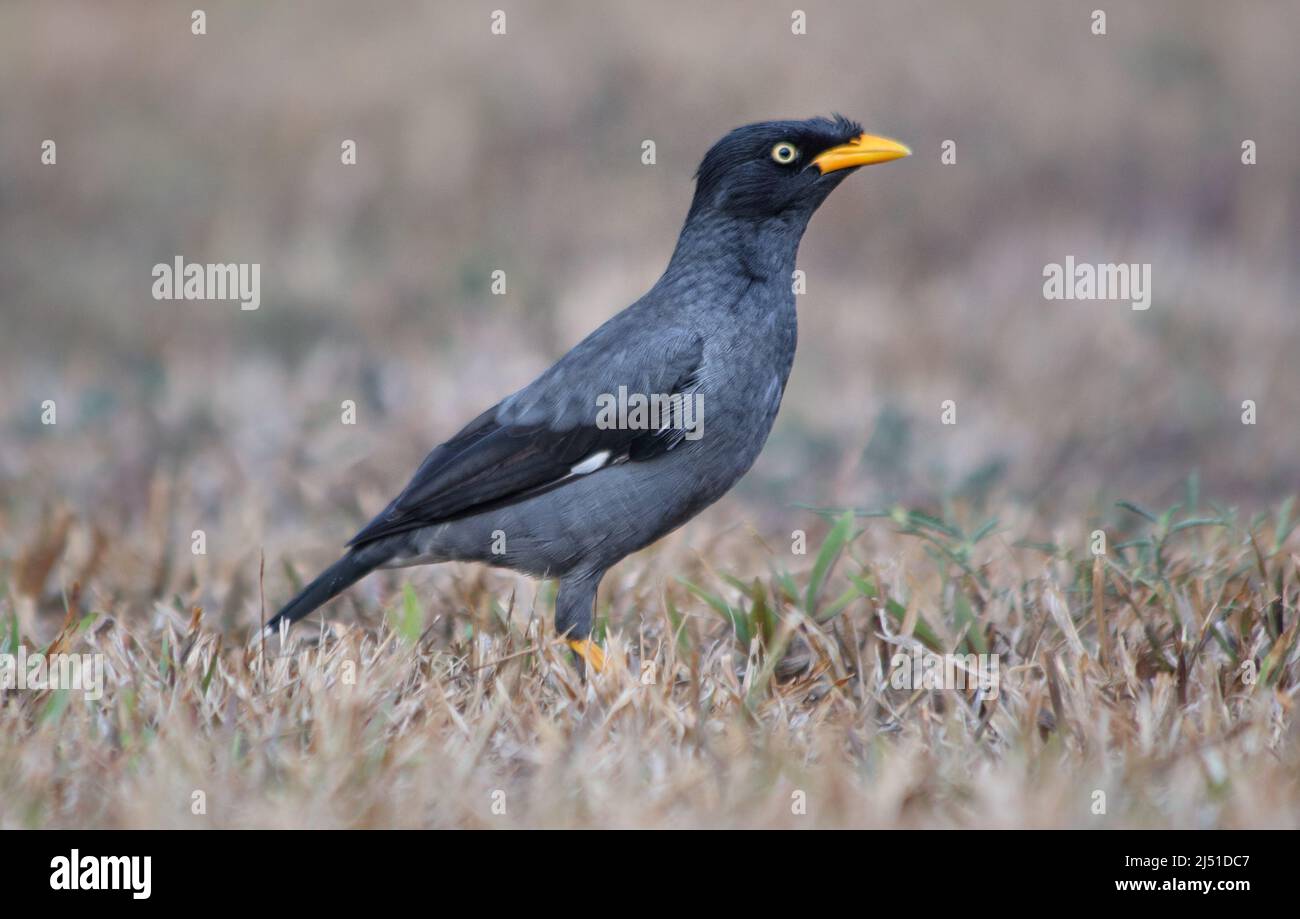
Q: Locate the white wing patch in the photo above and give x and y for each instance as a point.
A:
(591, 463)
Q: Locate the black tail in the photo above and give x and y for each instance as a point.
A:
(331, 582)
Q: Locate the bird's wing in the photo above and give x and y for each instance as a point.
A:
(547, 433)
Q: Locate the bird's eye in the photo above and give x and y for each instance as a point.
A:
(785, 153)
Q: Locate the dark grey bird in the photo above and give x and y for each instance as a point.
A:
(566, 477)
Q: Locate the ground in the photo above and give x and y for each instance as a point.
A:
(1151, 686)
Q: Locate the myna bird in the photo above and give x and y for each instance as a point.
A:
(551, 481)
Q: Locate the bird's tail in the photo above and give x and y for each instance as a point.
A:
(331, 582)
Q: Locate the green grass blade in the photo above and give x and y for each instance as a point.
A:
(409, 624)
(839, 536)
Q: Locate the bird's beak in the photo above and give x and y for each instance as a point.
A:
(863, 150)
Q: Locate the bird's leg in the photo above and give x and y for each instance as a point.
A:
(588, 651)
(573, 608)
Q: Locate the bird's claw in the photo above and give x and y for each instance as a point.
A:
(589, 651)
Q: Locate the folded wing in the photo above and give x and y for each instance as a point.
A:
(546, 434)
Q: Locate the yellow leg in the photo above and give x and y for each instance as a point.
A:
(590, 652)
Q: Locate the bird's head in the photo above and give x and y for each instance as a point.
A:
(785, 169)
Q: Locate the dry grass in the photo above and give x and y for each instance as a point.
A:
(437, 709)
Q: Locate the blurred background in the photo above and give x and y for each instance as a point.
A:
(523, 152)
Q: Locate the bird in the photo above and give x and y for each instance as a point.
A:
(550, 481)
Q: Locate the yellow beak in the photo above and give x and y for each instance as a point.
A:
(863, 150)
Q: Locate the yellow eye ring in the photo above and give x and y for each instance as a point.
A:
(785, 153)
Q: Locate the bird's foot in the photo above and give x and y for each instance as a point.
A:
(589, 651)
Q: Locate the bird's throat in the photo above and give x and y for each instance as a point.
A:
(750, 249)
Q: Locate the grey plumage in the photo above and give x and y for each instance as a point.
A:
(720, 323)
